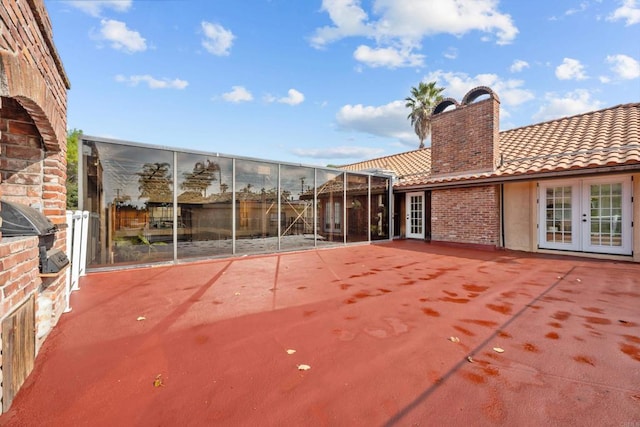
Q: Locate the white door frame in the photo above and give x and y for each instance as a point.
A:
(614, 223)
(567, 213)
(414, 206)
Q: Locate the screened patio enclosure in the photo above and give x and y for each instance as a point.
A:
(151, 204)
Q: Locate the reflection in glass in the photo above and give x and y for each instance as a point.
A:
(204, 206)
(606, 214)
(129, 192)
(296, 207)
(379, 210)
(357, 208)
(330, 193)
(559, 214)
(256, 206)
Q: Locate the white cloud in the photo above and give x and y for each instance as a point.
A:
(398, 26)
(94, 7)
(349, 20)
(218, 40)
(411, 20)
(625, 67)
(344, 152)
(389, 121)
(629, 12)
(572, 103)
(518, 65)
(121, 37)
(451, 53)
(510, 92)
(570, 69)
(387, 57)
(152, 82)
(583, 6)
(238, 94)
(293, 98)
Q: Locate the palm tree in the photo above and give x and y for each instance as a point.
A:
(154, 182)
(422, 100)
(201, 178)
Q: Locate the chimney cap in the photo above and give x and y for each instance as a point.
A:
(477, 92)
(444, 104)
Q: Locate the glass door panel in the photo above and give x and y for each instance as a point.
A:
(415, 215)
(607, 216)
(586, 215)
(558, 215)
(559, 204)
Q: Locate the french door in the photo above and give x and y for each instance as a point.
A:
(586, 215)
(415, 215)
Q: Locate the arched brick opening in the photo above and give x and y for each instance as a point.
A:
(444, 104)
(477, 92)
(21, 155)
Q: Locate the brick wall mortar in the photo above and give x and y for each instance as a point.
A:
(466, 139)
(32, 65)
(33, 144)
(19, 263)
(466, 215)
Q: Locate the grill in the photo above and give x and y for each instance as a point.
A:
(21, 220)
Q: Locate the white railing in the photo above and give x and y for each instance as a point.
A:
(77, 227)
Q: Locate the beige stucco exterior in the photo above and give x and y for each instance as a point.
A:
(519, 216)
(520, 219)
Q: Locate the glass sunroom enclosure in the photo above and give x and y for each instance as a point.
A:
(152, 204)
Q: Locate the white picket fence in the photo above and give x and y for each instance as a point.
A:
(77, 227)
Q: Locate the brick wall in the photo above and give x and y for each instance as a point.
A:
(466, 215)
(33, 144)
(21, 155)
(18, 270)
(31, 70)
(466, 139)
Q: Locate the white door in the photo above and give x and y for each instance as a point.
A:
(590, 215)
(606, 218)
(415, 215)
(559, 215)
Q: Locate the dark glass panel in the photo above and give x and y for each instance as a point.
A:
(256, 207)
(204, 206)
(379, 208)
(129, 193)
(330, 208)
(357, 208)
(296, 207)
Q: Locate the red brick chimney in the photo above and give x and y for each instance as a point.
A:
(465, 139)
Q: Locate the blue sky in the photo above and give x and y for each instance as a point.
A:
(323, 81)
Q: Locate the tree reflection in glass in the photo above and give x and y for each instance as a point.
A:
(204, 206)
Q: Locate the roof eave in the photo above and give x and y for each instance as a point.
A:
(520, 177)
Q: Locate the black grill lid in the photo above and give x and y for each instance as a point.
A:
(23, 220)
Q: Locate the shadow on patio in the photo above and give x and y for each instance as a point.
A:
(206, 343)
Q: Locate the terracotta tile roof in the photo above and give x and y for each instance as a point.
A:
(401, 164)
(598, 139)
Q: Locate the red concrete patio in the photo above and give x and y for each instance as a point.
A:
(373, 322)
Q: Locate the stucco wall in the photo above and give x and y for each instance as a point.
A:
(520, 216)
